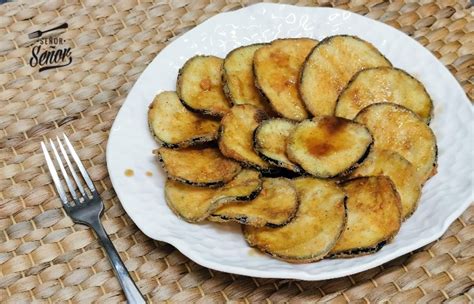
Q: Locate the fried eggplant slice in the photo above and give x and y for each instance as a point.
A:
(327, 146)
(314, 230)
(199, 86)
(276, 68)
(399, 170)
(270, 142)
(397, 128)
(384, 84)
(373, 216)
(274, 206)
(194, 204)
(239, 81)
(330, 66)
(174, 126)
(236, 135)
(202, 167)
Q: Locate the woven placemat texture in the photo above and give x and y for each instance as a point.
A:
(44, 257)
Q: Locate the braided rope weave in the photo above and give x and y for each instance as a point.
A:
(44, 257)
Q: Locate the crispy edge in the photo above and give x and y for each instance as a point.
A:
(226, 89)
(372, 249)
(430, 116)
(434, 170)
(327, 40)
(294, 168)
(260, 89)
(408, 215)
(179, 85)
(305, 260)
(350, 168)
(183, 144)
(259, 116)
(218, 203)
(216, 184)
(256, 222)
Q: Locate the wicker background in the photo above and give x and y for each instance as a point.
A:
(44, 257)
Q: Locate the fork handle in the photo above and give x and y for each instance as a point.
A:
(62, 26)
(132, 293)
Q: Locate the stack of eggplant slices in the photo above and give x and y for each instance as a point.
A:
(318, 149)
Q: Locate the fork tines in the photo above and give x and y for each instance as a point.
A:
(76, 182)
(35, 34)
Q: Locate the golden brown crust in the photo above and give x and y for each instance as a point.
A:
(205, 167)
(270, 139)
(194, 204)
(275, 206)
(399, 170)
(174, 126)
(315, 229)
(367, 154)
(239, 80)
(330, 66)
(373, 215)
(276, 68)
(384, 84)
(397, 128)
(327, 146)
(236, 135)
(199, 86)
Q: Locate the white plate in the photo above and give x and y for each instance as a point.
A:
(222, 247)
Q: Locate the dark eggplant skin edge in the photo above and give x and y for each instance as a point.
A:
(217, 204)
(226, 89)
(407, 216)
(192, 142)
(358, 251)
(267, 105)
(244, 220)
(183, 101)
(429, 118)
(215, 184)
(247, 164)
(357, 163)
(262, 92)
(305, 259)
(371, 249)
(250, 165)
(295, 168)
(435, 161)
(327, 40)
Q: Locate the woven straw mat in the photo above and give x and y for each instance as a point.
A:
(44, 257)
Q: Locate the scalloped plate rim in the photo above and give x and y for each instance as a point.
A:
(185, 249)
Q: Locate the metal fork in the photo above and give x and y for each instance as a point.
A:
(86, 208)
